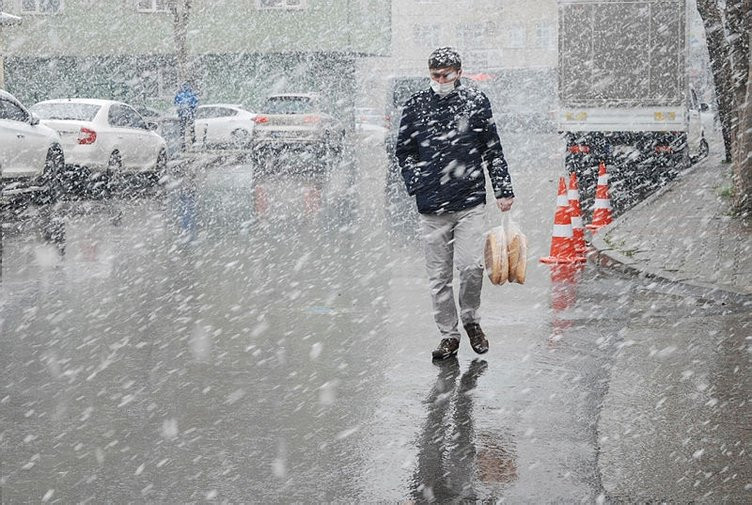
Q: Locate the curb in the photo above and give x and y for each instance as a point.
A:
(603, 255)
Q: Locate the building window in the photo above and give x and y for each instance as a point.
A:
(281, 4)
(472, 36)
(41, 6)
(544, 35)
(152, 6)
(515, 37)
(427, 35)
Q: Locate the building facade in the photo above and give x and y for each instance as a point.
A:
(511, 44)
(239, 50)
(491, 34)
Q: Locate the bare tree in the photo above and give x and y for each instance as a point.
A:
(743, 153)
(728, 25)
(718, 50)
(181, 12)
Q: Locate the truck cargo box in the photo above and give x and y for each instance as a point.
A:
(622, 65)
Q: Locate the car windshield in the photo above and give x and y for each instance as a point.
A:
(288, 105)
(66, 111)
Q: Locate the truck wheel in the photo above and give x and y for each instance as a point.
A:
(704, 149)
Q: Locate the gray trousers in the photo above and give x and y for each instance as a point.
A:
(454, 239)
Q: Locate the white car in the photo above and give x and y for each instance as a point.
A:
(104, 135)
(31, 156)
(224, 125)
(297, 121)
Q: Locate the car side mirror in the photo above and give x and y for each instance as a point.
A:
(152, 125)
(704, 107)
(33, 119)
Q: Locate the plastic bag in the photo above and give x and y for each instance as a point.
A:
(506, 252)
(496, 255)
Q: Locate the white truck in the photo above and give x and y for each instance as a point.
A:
(624, 96)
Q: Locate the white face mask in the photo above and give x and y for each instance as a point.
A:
(442, 89)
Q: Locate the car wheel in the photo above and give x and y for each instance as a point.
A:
(240, 139)
(160, 167)
(54, 166)
(112, 174)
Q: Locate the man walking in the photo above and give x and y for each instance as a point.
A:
(186, 102)
(447, 135)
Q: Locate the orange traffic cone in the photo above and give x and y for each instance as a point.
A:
(562, 245)
(602, 207)
(578, 231)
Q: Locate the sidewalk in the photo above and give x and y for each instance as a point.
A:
(685, 234)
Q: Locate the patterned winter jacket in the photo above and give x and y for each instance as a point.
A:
(442, 147)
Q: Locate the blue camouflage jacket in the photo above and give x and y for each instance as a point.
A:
(186, 102)
(442, 147)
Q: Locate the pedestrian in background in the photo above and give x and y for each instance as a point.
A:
(186, 102)
(447, 136)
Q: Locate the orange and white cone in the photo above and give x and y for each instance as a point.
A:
(562, 244)
(602, 207)
(578, 230)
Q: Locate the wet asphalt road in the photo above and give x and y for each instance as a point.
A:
(241, 338)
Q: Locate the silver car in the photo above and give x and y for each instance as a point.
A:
(296, 121)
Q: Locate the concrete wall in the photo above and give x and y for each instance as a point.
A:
(240, 78)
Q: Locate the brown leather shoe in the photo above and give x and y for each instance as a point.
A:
(447, 348)
(478, 340)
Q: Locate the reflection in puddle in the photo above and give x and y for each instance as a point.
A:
(451, 458)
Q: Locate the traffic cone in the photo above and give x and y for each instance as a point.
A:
(562, 245)
(578, 231)
(602, 207)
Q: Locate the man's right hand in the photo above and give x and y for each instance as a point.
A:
(504, 204)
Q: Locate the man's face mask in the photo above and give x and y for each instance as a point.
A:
(443, 81)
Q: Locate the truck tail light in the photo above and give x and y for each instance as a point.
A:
(261, 119)
(579, 149)
(87, 136)
(311, 118)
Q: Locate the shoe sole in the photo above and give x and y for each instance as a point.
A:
(444, 356)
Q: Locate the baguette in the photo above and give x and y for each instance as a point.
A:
(520, 273)
(513, 250)
(496, 258)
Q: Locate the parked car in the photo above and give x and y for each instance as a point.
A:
(224, 125)
(371, 124)
(296, 121)
(104, 136)
(400, 210)
(31, 155)
(168, 127)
